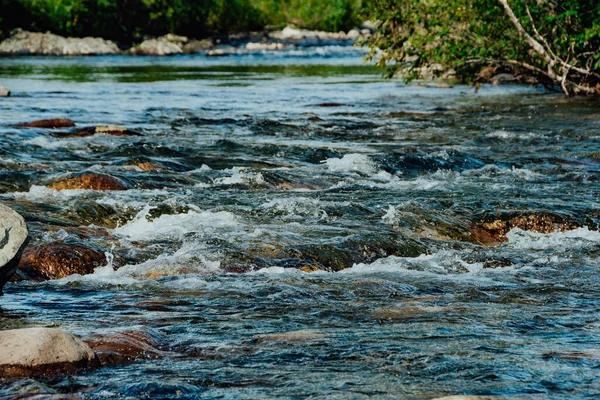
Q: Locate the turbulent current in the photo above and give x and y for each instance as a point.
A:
(294, 226)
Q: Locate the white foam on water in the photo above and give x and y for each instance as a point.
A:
(37, 193)
(296, 206)
(175, 226)
(492, 176)
(52, 143)
(446, 262)
(389, 218)
(240, 175)
(573, 239)
(512, 135)
(190, 258)
(353, 162)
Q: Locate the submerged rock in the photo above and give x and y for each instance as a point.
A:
(4, 92)
(58, 260)
(50, 123)
(42, 352)
(23, 42)
(13, 237)
(89, 181)
(127, 346)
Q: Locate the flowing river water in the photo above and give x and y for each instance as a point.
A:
(310, 229)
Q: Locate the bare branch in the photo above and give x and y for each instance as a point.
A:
(538, 35)
(535, 45)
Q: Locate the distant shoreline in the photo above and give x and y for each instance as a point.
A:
(26, 43)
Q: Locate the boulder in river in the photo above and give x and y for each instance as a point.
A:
(23, 42)
(13, 236)
(4, 92)
(57, 260)
(42, 352)
(89, 181)
(50, 123)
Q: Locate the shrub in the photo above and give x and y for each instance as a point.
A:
(553, 42)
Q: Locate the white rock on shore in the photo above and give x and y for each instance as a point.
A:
(290, 33)
(163, 46)
(4, 92)
(23, 43)
(42, 352)
(13, 236)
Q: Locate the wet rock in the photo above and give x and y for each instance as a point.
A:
(42, 352)
(198, 46)
(128, 346)
(89, 181)
(13, 237)
(309, 268)
(163, 46)
(333, 257)
(50, 123)
(294, 336)
(92, 130)
(145, 165)
(23, 42)
(89, 212)
(491, 229)
(4, 92)
(57, 260)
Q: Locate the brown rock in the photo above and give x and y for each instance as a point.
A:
(58, 260)
(127, 346)
(50, 123)
(493, 229)
(308, 268)
(92, 130)
(42, 352)
(89, 181)
(147, 166)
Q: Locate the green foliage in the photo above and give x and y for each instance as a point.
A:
(125, 19)
(477, 38)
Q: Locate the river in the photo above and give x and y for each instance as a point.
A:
(300, 192)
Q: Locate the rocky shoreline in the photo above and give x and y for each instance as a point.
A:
(23, 42)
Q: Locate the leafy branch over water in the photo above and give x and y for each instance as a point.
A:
(555, 43)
